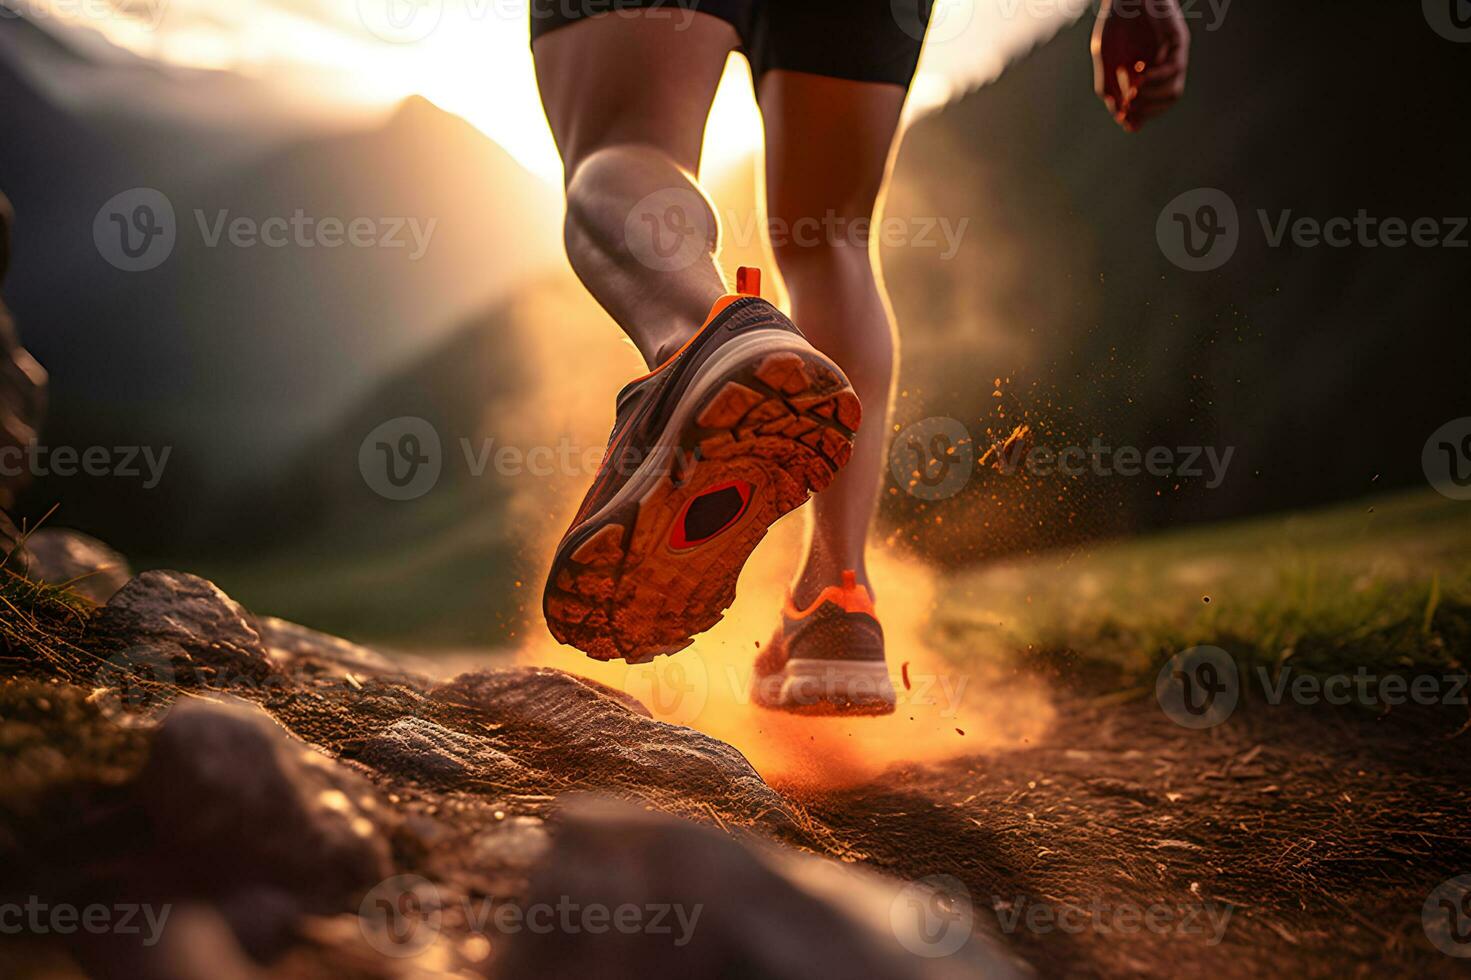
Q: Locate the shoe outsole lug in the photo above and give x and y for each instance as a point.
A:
(784, 423)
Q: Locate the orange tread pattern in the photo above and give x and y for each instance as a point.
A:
(786, 427)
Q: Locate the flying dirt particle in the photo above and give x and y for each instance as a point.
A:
(1005, 456)
(960, 731)
(904, 672)
(1205, 598)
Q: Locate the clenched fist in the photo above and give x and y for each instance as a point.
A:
(1141, 49)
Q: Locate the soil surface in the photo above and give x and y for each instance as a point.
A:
(170, 746)
(1286, 842)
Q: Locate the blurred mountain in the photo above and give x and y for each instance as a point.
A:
(432, 566)
(1324, 368)
(238, 349)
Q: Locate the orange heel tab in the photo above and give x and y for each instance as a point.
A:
(850, 597)
(748, 283)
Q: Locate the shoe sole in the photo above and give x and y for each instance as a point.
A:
(768, 414)
(826, 687)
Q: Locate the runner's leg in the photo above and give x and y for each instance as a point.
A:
(627, 97)
(829, 144)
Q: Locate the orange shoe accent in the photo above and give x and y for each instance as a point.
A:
(850, 597)
(745, 277)
(748, 281)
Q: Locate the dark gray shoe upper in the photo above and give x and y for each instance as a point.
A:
(831, 633)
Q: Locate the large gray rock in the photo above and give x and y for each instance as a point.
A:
(590, 736)
(632, 894)
(182, 612)
(419, 749)
(61, 557)
(291, 644)
(241, 805)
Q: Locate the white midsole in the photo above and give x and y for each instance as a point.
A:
(808, 681)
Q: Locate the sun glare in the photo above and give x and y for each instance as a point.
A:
(472, 57)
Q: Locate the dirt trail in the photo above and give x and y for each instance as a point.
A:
(1286, 842)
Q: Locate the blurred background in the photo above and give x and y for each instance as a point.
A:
(262, 370)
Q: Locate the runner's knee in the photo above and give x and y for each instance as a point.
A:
(832, 257)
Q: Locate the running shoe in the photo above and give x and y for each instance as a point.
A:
(827, 659)
(709, 449)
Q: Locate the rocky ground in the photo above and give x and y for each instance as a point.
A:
(304, 806)
(287, 803)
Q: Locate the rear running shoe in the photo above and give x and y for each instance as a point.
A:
(708, 450)
(827, 659)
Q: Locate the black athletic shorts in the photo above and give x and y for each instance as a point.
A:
(860, 40)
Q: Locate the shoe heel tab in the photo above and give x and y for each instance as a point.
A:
(855, 597)
(748, 281)
(748, 285)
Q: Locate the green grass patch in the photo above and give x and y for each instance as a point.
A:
(1384, 583)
